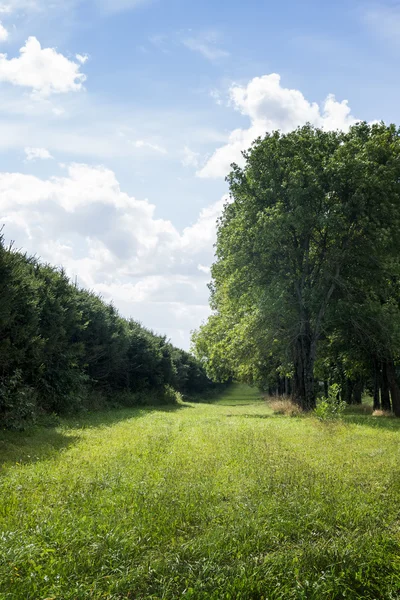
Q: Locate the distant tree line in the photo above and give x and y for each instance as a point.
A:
(63, 348)
(306, 284)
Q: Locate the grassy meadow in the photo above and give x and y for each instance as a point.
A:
(218, 500)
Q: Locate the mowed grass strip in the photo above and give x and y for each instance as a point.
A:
(222, 500)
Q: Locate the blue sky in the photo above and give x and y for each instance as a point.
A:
(119, 119)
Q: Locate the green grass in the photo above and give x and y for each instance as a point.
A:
(202, 501)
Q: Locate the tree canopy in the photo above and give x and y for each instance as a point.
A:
(305, 283)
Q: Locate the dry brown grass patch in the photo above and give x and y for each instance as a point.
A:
(382, 413)
(360, 409)
(284, 406)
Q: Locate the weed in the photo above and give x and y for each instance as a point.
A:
(332, 407)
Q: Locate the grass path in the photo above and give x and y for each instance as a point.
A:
(203, 501)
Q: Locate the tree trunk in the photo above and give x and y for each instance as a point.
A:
(298, 382)
(357, 392)
(303, 381)
(287, 386)
(394, 387)
(347, 390)
(377, 402)
(385, 389)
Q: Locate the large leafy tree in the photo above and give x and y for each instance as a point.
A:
(314, 214)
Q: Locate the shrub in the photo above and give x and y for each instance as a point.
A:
(18, 406)
(150, 397)
(332, 407)
(64, 350)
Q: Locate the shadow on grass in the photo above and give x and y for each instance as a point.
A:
(212, 396)
(238, 404)
(31, 446)
(387, 423)
(254, 416)
(361, 414)
(107, 418)
(235, 394)
(43, 443)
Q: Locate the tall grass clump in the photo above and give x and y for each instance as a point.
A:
(284, 406)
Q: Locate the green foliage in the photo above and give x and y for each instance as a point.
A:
(307, 257)
(62, 349)
(201, 501)
(18, 405)
(332, 407)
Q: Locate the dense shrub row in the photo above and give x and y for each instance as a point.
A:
(63, 348)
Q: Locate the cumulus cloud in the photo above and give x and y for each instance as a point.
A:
(37, 153)
(3, 33)
(114, 243)
(269, 106)
(44, 70)
(202, 234)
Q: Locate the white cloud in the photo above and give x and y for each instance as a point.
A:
(114, 243)
(3, 33)
(44, 70)
(206, 44)
(15, 5)
(85, 127)
(270, 106)
(82, 58)
(204, 269)
(151, 146)
(37, 153)
(202, 234)
(190, 158)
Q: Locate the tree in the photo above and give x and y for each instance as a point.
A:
(312, 215)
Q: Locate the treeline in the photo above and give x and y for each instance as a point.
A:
(306, 286)
(63, 348)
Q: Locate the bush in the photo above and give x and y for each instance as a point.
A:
(18, 406)
(331, 408)
(64, 350)
(150, 397)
